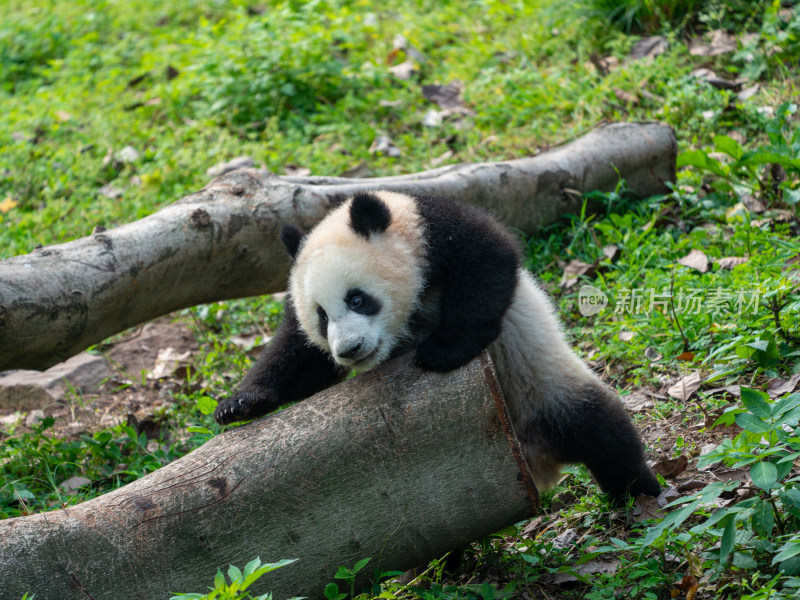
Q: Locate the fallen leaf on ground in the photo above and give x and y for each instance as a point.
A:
(696, 260)
(652, 354)
(671, 467)
(74, 483)
(647, 507)
(685, 387)
(713, 43)
(733, 390)
(404, 71)
(637, 401)
(447, 97)
(383, 144)
(626, 96)
(728, 262)
(575, 269)
(611, 251)
(648, 47)
(779, 387)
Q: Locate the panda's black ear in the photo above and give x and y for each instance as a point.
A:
(292, 237)
(369, 214)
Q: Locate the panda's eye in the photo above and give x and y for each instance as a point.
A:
(361, 302)
(323, 316)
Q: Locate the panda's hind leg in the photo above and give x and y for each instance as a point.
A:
(593, 428)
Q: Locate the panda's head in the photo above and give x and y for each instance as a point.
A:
(357, 277)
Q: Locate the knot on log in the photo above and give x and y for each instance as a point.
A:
(200, 219)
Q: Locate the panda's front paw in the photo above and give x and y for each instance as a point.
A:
(433, 355)
(245, 405)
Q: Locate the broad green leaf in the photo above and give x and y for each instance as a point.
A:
(728, 145)
(763, 519)
(744, 560)
(701, 160)
(755, 402)
(206, 405)
(198, 429)
(728, 537)
(251, 566)
(788, 550)
(764, 474)
(760, 157)
(751, 423)
(235, 574)
(219, 580)
(361, 564)
(783, 469)
(673, 519)
(331, 591)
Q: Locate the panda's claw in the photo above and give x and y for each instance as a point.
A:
(245, 405)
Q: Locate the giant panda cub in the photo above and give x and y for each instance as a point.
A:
(386, 273)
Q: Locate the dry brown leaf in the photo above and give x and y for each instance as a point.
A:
(74, 483)
(648, 47)
(685, 387)
(733, 390)
(689, 586)
(753, 204)
(637, 401)
(404, 71)
(647, 507)
(671, 467)
(624, 96)
(611, 251)
(748, 93)
(652, 354)
(728, 262)
(778, 387)
(685, 356)
(383, 144)
(575, 269)
(696, 260)
(713, 43)
(447, 97)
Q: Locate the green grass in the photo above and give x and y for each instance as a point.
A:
(193, 83)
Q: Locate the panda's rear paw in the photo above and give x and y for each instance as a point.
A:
(433, 355)
(244, 405)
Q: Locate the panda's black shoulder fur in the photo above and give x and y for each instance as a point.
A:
(455, 231)
(475, 261)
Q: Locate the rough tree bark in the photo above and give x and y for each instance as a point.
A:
(397, 465)
(222, 242)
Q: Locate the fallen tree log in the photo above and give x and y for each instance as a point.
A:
(396, 465)
(222, 242)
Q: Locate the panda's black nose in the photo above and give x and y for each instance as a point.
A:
(350, 351)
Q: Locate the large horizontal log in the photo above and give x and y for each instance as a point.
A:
(222, 242)
(396, 465)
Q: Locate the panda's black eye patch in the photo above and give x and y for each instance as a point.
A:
(323, 322)
(361, 302)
